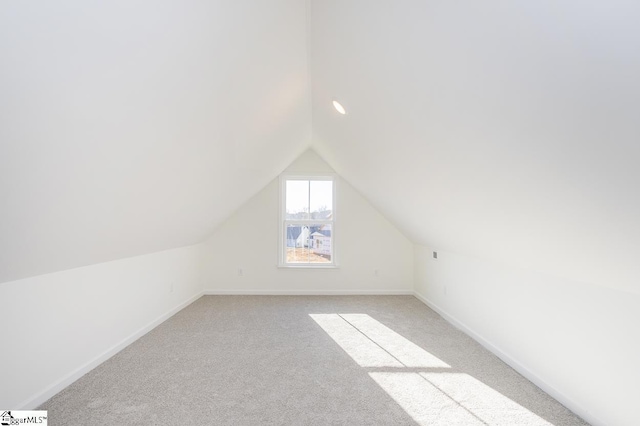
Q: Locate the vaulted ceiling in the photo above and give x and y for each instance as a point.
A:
(502, 130)
(132, 127)
(509, 131)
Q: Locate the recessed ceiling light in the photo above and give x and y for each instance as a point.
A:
(339, 107)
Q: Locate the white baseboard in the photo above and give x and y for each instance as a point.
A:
(513, 363)
(308, 292)
(41, 397)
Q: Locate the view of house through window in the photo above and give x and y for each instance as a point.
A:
(308, 221)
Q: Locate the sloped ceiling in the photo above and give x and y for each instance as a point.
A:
(508, 131)
(128, 127)
(503, 130)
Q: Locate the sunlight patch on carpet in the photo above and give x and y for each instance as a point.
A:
(441, 397)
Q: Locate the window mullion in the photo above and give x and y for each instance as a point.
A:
(309, 199)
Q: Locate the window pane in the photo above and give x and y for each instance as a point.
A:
(297, 199)
(320, 243)
(297, 244)
(309, 243)
(321, 200)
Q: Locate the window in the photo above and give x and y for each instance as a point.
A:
(307, 221)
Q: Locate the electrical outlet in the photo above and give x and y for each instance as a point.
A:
(240, 272)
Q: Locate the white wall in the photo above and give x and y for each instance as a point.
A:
(365, 241)
(56, 327)
(579, 342)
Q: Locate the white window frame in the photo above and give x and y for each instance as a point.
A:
(282, 259)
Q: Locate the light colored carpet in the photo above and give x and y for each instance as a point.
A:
(305, 360)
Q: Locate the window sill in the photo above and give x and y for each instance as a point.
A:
(333, 266)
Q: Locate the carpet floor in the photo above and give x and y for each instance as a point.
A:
(305, 360)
